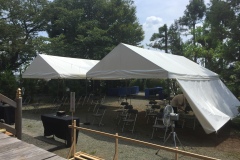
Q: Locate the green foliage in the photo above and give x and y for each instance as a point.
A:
(174, 39)
(20, 21)
(90, 28)
(8, 84)
(167, 39)
(193, 14)
(160, 39)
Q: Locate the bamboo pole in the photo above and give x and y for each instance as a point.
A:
(176, 154)
(116, 148)
(148, 144)
(74, 138)
(72, 150)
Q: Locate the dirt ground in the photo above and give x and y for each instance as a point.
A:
(222, 145)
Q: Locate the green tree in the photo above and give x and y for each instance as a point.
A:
(224, 19)
(168, 39)
(160, 39)
(174, 39)
(90, 28)
(20, 22)
(193, 15)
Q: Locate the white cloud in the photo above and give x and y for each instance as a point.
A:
(152, 22)
(151, 26)
(155, 13)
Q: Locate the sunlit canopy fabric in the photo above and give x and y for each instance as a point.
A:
(55, 67)
(126, 62)
(211, 101)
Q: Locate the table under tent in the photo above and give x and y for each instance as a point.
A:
(211, 101)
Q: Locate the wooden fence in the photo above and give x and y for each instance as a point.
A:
(17, 104)
(176, 151)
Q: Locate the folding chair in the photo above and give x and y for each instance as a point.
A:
(130, 119)
(124, 113)
(121, 108)
(84, 99)
(159, 125)
(99, 114)
(99, 101)
(149, 105)
(189, 118)
(153, 111)
(36, 105)
(26, 102)
(78, 101)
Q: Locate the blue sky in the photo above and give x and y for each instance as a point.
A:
(153, 14)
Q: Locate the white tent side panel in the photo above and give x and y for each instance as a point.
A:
(54, 67)
(211, 101)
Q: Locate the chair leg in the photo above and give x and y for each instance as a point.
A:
(133, 126)
(100, 123)
(93, 120)
(153, 133)
(95, 106)
(183, 123)
(123, 126)
(165, 134)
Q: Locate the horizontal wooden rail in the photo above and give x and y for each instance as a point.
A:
(8, 128)
(8, 100)
(147, 144)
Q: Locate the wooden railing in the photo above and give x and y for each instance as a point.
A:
(176, 151)
(17, 104)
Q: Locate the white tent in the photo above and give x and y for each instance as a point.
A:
(55, 67)
(211, 101)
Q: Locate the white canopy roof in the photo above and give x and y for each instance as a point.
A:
(55, 67)
(126, 61)
(211, 101)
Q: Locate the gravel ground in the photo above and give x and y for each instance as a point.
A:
(224, 145)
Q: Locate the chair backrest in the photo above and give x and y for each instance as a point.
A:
(124, 103)
(152, 102)
(132, 114)
(158, 118)
(155, 106)
(129, 107)
(133, 111)
(101, 109)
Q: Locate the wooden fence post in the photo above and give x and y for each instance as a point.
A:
(116, 148)
(18, 114)
(176, 154)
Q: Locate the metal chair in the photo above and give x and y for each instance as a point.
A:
(78, 101)
(124, 113)
(149, 105)
(190, 118)
(121, 109)
(99, 114)
(159, 125)
(26, 102)
(153, 111)
(130, 119)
